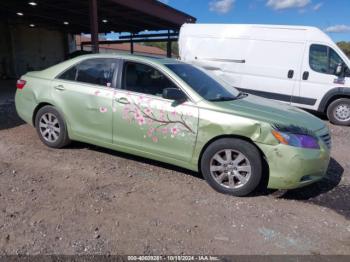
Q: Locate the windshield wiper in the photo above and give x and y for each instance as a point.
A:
(224, 98)
(229, 98)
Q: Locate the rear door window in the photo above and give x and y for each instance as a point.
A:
(70, 74)
(319, 58)
(98, 71)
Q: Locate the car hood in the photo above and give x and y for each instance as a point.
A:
(275, 113)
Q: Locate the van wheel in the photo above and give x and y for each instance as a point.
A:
(338, 112)
(51, 127)
(232, 166)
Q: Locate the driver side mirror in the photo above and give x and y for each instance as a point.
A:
(174, 94)
(339, 71)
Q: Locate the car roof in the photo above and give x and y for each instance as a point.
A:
(154, 59)
(57, 69)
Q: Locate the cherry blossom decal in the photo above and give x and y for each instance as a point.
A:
(103, 109)
(158, 119)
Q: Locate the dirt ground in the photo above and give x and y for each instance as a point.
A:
(88, 200)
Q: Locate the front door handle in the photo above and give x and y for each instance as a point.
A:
(122, 100)
(59, 87)
(290, 74)
(306, 75)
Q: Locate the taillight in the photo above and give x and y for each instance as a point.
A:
(21, 83)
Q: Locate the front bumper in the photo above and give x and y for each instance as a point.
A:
(292, 167)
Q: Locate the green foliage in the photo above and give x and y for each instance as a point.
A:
(162, 45)
(345, 46)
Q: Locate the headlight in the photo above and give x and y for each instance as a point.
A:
(297, 140)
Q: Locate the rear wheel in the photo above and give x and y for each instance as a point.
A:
(51, 127)
(232, 166)
(338, 112)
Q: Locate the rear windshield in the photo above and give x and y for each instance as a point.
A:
(207, 85)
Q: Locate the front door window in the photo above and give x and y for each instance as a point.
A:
(145, 79)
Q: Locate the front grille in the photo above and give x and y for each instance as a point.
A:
(326, 138)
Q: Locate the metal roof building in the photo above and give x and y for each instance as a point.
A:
(39, 33)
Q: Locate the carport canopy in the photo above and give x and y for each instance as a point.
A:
(94, 16)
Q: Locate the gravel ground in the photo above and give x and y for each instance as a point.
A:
(88, 200)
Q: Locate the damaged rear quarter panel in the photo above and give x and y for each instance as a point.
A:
(35, 92)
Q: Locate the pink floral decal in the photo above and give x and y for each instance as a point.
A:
(97, 92)
(103, 109)
(158, 121)
(174, 131)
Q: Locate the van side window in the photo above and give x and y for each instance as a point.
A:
(334, 60)
(324, 59)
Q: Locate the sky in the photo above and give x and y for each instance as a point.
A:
(332, 16)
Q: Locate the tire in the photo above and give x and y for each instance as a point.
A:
(338, 112)
(243, 180)
(51, 127)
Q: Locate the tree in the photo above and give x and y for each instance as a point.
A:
(345, 46)
(163, 45)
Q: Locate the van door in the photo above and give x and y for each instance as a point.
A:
(318, 75)
(224, 57)
(272, 68)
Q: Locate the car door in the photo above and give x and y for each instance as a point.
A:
(146, 122)
(84, 94)
(318, 75)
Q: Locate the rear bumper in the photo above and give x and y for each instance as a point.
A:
(292, 167)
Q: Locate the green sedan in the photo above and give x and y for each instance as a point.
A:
(174, 112)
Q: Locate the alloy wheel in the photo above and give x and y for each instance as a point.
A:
(49, 127)
(230, 168)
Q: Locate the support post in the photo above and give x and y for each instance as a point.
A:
(131, 43)
(94, 25)
(168, 46)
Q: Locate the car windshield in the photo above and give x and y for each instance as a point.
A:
(207, 85)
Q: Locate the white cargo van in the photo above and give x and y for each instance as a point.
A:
(294, 64)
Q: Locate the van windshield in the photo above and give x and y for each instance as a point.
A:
(206, 85)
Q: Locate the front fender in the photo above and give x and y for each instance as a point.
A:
(213, 125)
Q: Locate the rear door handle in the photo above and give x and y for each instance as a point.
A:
(122, 100)
(306, 75)
(290, 74)
(59, 87)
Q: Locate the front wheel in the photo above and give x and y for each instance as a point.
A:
(232, 166)
(51, 127)
(338, 112)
